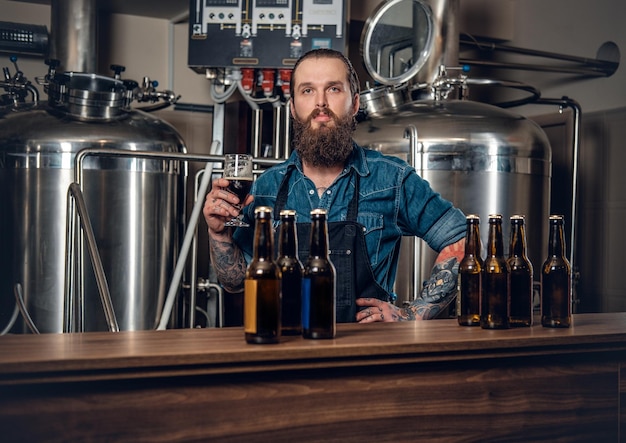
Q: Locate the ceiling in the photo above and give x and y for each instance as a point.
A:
(165, 9)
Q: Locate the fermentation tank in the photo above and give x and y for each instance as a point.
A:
(481, 157)
(134, 204)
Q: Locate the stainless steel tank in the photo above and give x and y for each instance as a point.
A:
(482, 158)
(134, 205)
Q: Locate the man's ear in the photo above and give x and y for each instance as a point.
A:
(356, 103)
(291, 109)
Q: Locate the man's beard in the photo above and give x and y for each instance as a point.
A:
(327, 145)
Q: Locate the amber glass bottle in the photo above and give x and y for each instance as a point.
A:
(291, 270)
(556, 284)
(495, 304)
(262, 298)
(470, 276)
(318, 283)
(521, 276)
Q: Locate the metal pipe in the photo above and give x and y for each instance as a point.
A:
(182, 257)
(533, 96)
(7, 328)
(73, 34)
(19, 298)
(278, 121)
(287, 136)
(257, 131)
(587, 66)
(78, 174)
(410, 132)
(75, 195)
(193, 285)
(188, 157)
(575, 106)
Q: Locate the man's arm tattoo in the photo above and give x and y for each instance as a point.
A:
(229, 264)
(437, 292)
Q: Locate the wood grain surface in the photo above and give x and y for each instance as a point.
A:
(416, 381)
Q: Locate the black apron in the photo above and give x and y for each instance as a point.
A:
(348, 253)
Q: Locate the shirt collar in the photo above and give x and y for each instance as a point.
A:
(356, 161)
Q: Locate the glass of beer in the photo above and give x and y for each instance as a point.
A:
(238, 172)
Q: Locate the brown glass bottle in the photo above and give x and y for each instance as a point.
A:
(556, 284)
(318, 283)
(291, 270)
(521, 276)
(470, 276)
(262, 298)
(495, 304)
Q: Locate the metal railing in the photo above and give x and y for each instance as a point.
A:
(74, 298)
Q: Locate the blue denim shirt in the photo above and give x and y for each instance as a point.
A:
(394, 201)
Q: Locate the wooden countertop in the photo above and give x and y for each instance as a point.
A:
(184, 352)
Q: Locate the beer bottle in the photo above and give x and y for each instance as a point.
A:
(262, 285)
(495, 305)
(470, 276)
(521, 276)
(291, 270)
(556, 285)
(318, 283)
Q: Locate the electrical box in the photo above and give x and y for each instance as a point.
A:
(263, 33)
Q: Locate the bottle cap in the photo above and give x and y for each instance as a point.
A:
(262, 211)
(288, 213)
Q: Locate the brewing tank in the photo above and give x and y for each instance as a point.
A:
(134, 204)
(481, 157)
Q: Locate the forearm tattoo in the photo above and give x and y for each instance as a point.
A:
(229, 264)
(437, 292)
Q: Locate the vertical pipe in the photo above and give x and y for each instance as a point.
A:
(410, 132)
(219, 114)
(257, 124)
(445, 49)
(278, 134)
(577, 111)
(73, 34)
(286, 128)
(575, 106)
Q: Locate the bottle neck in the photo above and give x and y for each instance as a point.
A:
(472, 243)
(556, 244)
(287, 242)
(263, 240)
(518, 241)
(319, 238)
(495, 247)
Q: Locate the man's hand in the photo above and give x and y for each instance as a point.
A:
(227, 259)
(378, 310)
(219, 206)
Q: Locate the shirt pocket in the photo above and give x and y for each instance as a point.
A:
(373, 231)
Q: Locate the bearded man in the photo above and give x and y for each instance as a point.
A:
(372, 201)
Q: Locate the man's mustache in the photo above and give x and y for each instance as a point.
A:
(318, 111)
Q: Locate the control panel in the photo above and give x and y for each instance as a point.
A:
(262, 33)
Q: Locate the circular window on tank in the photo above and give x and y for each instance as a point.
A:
(397, 40)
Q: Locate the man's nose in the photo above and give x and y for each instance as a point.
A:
(321, 101)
